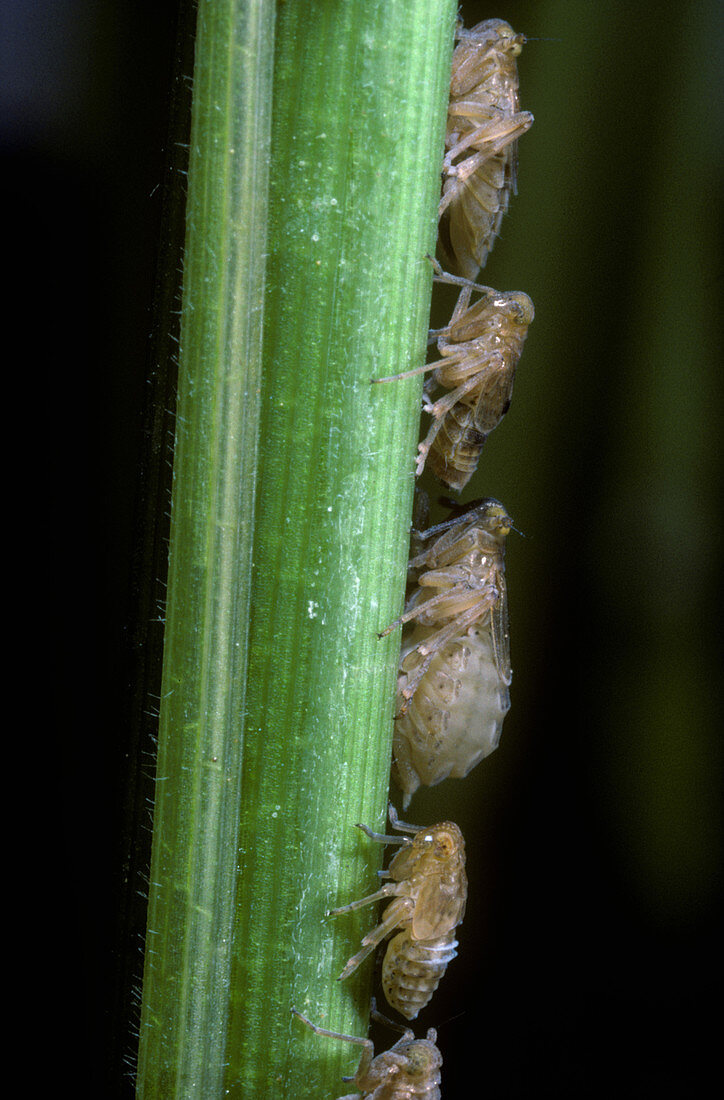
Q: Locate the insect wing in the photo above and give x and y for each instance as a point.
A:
(511, 169)
(495, 397)
(465, 67)
(440, 908)
(500, 631)
(404, 863)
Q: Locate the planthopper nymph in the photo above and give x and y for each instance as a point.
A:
(480, 350)
(483, 126)
(430, 888)
(410, 1070)
(454, 676)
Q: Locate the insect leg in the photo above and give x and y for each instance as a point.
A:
(439, 408)
(414, 613)
(439, 411)
(330, 1034)
(388, 891)
(406, 374)
(381, 838)
(442, 276)
(460, 173)
(399, 911)
(425, 446)
(494, 136)
(379, 1018)
(403, 826)
(367, 1053)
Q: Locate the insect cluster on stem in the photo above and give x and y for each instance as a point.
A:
(454, 670)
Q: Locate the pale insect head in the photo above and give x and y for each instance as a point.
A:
(490, 514)
(423, 1057)
(447, 841)
(498, 34)
(494, 312)
(438, 844)
(518, 308)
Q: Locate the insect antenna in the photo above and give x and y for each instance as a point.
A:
(459, 509)
(438, 528)
(451, 1019)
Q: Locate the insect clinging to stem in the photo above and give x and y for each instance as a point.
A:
(409, 1070)
(429, 887)
(480, 350)
(455, 660)
(483, 126)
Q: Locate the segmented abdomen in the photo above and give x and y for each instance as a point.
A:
(470, 224)
(455, 717)
(412, 970)
(456, 448)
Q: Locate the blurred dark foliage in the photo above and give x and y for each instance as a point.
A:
(589, 951)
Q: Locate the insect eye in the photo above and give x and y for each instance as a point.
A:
(522, 309)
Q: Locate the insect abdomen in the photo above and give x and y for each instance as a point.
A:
(470, 225)
(455, 717)
(412, 970)
(456, 448)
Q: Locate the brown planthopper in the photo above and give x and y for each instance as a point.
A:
(455, 661)
(480, 350)
(430, 888)
(410, 1070)
(483, 126)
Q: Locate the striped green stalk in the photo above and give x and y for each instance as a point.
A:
(293, 481)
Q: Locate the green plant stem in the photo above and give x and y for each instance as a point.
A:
(185, 997)
(359, 108)
(276, 725)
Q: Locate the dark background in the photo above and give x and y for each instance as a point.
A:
(590, 950)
